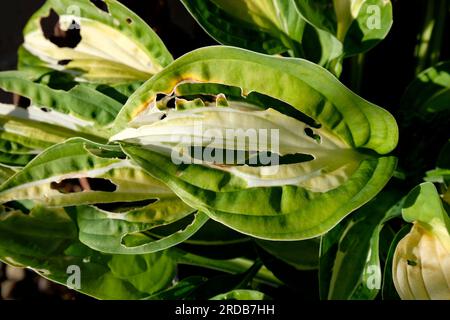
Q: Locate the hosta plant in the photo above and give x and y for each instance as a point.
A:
(421, 265)
(324, 31)
(120, 165)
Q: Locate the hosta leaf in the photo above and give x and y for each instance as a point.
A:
(428, 96)
(425, 105)
(46, 241)
(441, 174)
(424, 205)
(357, 24)
(388, 290)
(112, 179)
(53, 115)
(324, 173)
(5, 173)
(63, 81)
(235, 266)
(349, 260)
(24, 133)
(196, 287)
(224, 283)
(322, 31)
(80, 108)
(303, 255)
(421, 262)
(266, 26)
(124, 232)
(216, 234)
(15, 160)
(112, 45)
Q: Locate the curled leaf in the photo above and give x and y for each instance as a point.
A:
(321, 151)
(421, 264)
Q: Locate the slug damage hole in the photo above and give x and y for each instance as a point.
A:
(83, 184)
(64, 62)
(101, 5)
(7, 97)
(241, 158)
(310, 133)
(16, 205)
(52, 31)
(21, 101)
(124, 206)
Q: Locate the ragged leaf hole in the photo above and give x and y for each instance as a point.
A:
(241, 158)
(124, 206)
(102, 5)
(310, 133)
(64, 62)
(21, 101)
(51, 28)
(83, 184)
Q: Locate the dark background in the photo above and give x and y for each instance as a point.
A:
(388, 69)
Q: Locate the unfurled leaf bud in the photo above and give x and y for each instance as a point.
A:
(421, 266)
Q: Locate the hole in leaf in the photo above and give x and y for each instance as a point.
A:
(20, 101)
(171, 104)
(310, 133)
(64, 62)
(124, 206)
(16, 205)
(295, 158)
(83, 184)
(266, 101)
(129, 20)
(203, 97)
(160, 96)
(168, 229)
(101, 5)
(165, 101)
(238, 157)
(57, 80)
(62, 38)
